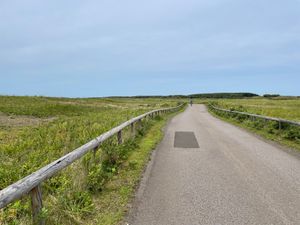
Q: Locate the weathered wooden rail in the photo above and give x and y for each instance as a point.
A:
(32, 183)
(279, 120)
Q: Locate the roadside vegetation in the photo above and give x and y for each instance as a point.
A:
(93, 190)
(280, 107)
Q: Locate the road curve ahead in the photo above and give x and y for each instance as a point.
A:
(230, 177)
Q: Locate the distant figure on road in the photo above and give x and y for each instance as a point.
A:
(191, 102)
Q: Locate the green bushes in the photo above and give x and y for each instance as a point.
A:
(96, 178)
(108, 164)
(292, 133)
(112, 158)
(78, 202)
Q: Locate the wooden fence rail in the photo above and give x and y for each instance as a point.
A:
(32, 183)
(279, 120)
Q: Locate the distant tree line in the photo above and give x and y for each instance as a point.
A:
(271, 95)
(209, 95)
(224, 95)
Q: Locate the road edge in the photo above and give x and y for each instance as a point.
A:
(145, 175)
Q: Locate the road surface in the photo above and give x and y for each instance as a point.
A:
(217, 174)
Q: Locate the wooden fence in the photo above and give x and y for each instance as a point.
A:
(32, 184)
(280, 121)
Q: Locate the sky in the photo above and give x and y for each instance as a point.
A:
(98, 48)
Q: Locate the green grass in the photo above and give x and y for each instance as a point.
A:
(289, 108)
(49, 107)
(77, 194)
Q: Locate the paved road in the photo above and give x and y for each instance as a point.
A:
(232, 178)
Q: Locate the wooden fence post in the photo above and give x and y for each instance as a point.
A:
(279, 125)
(120, 137)
(37, 205)
(132, 131)
(94, 153)
(139, 124)
(266, 123)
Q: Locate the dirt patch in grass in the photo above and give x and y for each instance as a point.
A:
(21, 121)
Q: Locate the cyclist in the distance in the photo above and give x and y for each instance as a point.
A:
(191, 102)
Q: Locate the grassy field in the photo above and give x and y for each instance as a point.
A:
(37, 130)
(288, 108)
(95, 190)
(285, 108)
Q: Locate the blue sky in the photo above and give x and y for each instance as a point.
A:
(136, 47)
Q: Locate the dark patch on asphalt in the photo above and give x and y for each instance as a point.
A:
(185, 139)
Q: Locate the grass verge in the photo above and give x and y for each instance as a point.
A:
(287, 136)
(112, 203)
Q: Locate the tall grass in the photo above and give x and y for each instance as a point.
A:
(69, 197)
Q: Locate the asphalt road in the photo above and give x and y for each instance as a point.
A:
(233, 177)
